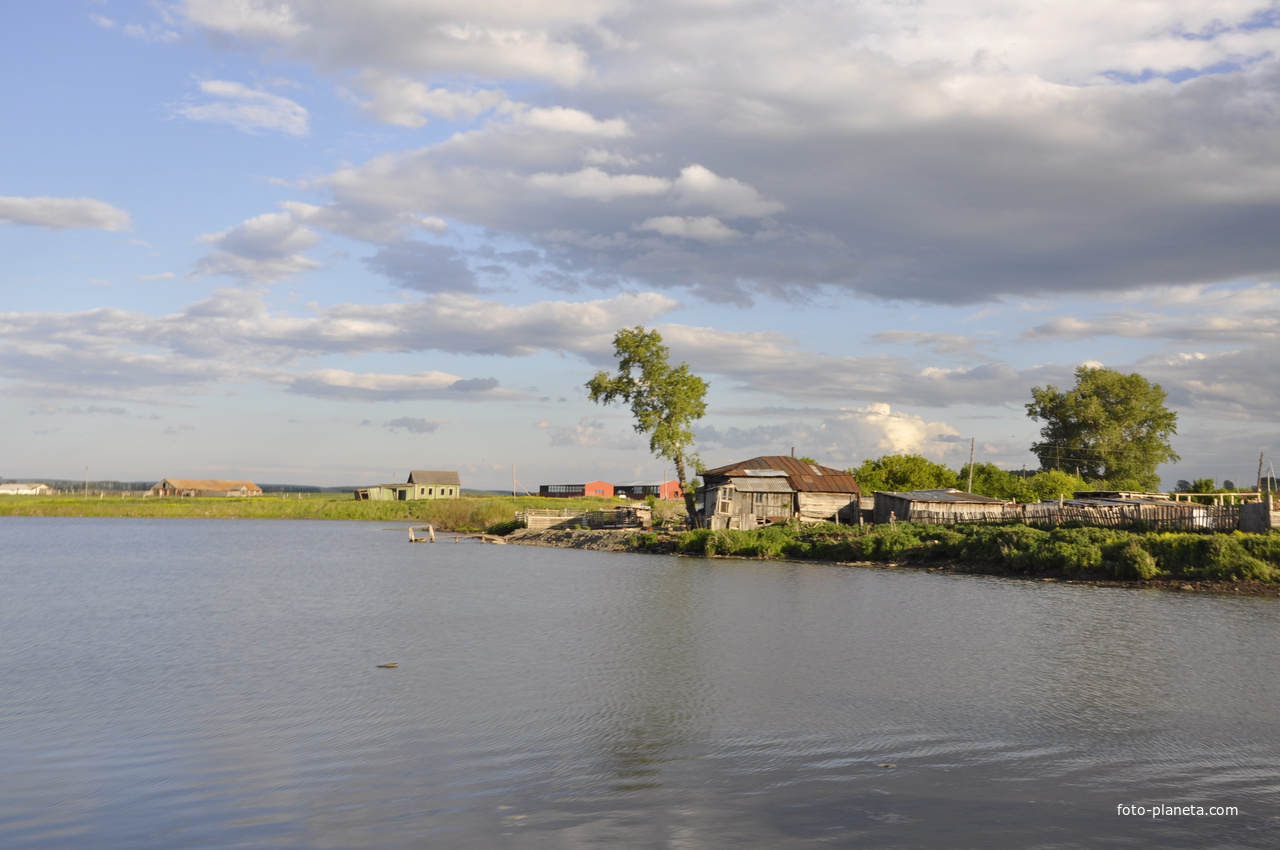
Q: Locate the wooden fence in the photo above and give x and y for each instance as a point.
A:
(1155, 517)
(617, 518)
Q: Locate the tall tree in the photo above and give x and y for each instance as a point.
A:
(1113, 428)
(665, 400)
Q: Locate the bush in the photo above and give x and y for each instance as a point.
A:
(643, 540)
(1131, 561)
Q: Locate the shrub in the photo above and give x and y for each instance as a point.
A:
(643, 540)
(1131, 561)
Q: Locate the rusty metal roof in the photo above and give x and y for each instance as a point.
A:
(803, 477)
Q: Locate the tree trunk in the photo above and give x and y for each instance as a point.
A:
(690, 504)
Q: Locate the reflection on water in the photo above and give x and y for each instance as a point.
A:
(184, 683)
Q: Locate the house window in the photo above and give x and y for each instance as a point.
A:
(433, 491)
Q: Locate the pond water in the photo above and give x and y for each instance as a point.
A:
(215, 683)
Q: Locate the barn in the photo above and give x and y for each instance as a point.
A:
(776, 488)
(204, 487)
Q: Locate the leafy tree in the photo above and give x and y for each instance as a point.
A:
(1053, 484)
(1112, 427)
(901, 473)
(1203, 485)
(991, 480)
(665, 401)
(1184, 486)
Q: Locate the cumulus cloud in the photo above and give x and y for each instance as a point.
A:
(342, 385)
(264, 248)
(903, 151)
(233, 337)
(493, 40)
(248, 110)
(406, 102)
(59, 213)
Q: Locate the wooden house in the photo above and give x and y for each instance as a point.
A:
(422, 484)
(570, 491)
(645, 489)
(204, 487)
(776, 488)
(940, 506)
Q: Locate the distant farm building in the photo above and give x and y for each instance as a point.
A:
(14, 488)
(645, 489)
(769, 489)
(569, 491)
(940, 506)
(204, 487)
(422, 484)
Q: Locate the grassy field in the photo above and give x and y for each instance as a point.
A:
(468, 513)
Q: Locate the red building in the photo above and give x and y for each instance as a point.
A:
(644, 489)
(569, 491)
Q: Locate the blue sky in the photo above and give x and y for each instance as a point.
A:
(324, 242)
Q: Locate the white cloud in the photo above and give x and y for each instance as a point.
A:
(63, 213)
(253, 19)
(705, 228)
(560, 119)
(264, 248)
(598, 185)
(730, 197)
(403, 101)
(248, 110)
(339, 384)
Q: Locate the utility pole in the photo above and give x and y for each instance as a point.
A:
(972, 442)
(1260, 455)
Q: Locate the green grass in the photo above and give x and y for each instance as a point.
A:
(1085, 552)
(468, 513)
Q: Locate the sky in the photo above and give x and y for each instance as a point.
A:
(323, 242)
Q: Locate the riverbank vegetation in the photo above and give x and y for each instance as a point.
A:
(1084, 552)
(468, 513)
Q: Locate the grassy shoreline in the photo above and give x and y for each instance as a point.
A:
(468, 513)
(1223, 563)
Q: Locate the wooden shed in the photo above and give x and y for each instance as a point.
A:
(940, 506)
(776, 488)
